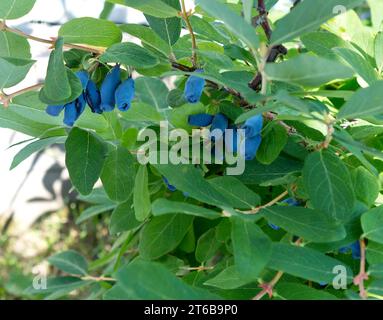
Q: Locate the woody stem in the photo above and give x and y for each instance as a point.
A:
(4, 27)
(185, 16)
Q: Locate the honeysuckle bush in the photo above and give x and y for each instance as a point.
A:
(304, 90)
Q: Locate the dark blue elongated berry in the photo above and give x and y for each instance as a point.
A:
(54, 110)
(74, 110)
(355, 249)
(125, 94)
(231, 143)
(250, 147)
(200, 120)
(291, 202)
(84, 78)
(70, 114)
(274, 226)
(168, 185)
(194, 87)
(253, 126)
(93, 97)
(109, 87)
(220, 122)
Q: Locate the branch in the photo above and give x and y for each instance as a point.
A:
(97, 279)
(269, 204)
(185, 16)
(6, 99)
(4, 27)
(362, 276)
(268, 288)
(273, 53)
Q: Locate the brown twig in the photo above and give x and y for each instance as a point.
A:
(363, 275)
(185, 16)
(4, 27)
(269, 204)
(6, 99)
(268, 288)
(274, 51)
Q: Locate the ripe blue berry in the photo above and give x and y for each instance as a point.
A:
(194, 87)
(109, 87)
(125, 94)
(200, 120)
(253, 126)
(93, 97)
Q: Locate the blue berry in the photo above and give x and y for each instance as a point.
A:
(194, 87)
(108, 89)
(125, 94)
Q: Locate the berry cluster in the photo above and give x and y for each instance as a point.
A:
(113, 92)
(249, 143)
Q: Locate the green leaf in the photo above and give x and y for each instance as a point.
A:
(305, 263)
(366, 186)
(374, 252)
(153, 92)
(308, 16)
(273, 142)
(189, 179)
(94, 211)
(297, 291)
(85, 155)
(207, 30)
(322, 43)
(155, 8)
(123, 218)
(169, 29)
(365, 102)
(372, 224)
(58, 287)
(376, 7)
(358, 63)
(228, 279)
(142, 112)
(256, 173)
(61, 84)
(163, 234)
(252, 248)
(14, 46)
(147, 36)
(141, 196)
(307, 70)
(328, 184)
(207, 246)
(34, 147)
(95, 32)
(149, 280)
(70, 262)
(247, 9)
(236, 193)
(130, 54)
(163, 206)
(379, 51)
(13, 120)
(118, 174)
(14, 9)
(236, 24)
(311, 225)
(13, 71)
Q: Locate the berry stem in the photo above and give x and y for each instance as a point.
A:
(185, 16)
(4, 27)
(362, 276)
(6, 99)
(269, 204)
